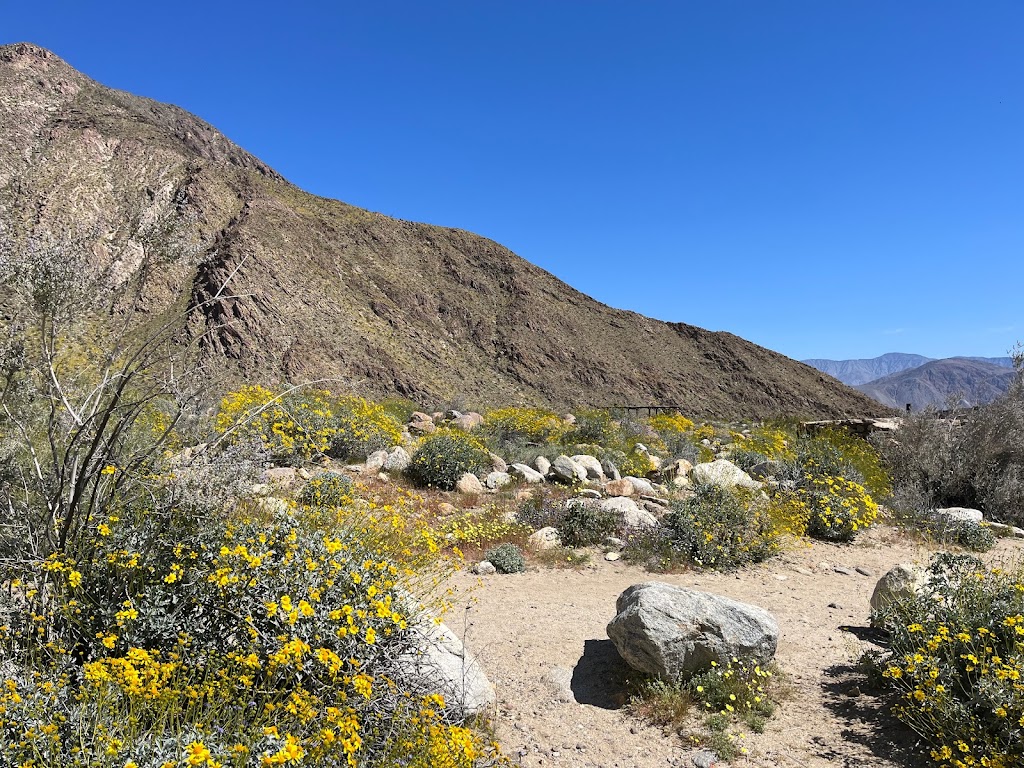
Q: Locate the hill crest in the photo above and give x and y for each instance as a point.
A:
(323, 289)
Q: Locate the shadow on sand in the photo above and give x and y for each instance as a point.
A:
(599, 678)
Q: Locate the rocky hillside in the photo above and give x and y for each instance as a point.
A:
(323, 290)
(967, 381)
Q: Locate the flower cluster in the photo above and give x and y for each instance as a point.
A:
(838, 508)
(956, 663)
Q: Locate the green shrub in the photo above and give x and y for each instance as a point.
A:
(838, 509)
(955, 661)
(327, 489)
(720, 528)
(506, 558)
(360, 427)
(585, 524)
(740, 689)
(445, 456)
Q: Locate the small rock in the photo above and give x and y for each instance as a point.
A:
(837, 606)
(641, 485)
(724, 474)
(444, 508)
(864, 571)
(611, 557)
(631, 515)
(498, 464)
(853, 692)
(704, 759)
(842, 570)
(375, 461)
(304, 474)
(803, 571)
(542, 465)
(528, 474)
(591, 464)
(614, 541)
(545, 538)
(484, 568)
(589, 493)
(496, 480)
(610, 470)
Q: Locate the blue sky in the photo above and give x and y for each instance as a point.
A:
(828, 179)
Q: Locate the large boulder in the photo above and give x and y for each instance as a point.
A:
(566, 470)
(591, 464)
(467, 422)
(629, 512)
(723, 473)
(952, 516)
(641, 485)
(900, 584)
(610, 470)
(440, 663)
(673, 632)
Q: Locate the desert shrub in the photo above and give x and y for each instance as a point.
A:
(730, 696)
(445, 456)
(636, 464)
(722, 528)
(327, 489)
(970, 459)
(593, 426)
(293, 426)
(838, 509)
(298, 425)
(399, 408)
(586, 524)
(506, 558)
(360, 427)
(541, 511)
(744, 458)
(535, 425)
(771, 441)
(955, 661)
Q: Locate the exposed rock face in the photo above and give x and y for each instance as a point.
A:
(322, 289)
(672, 632)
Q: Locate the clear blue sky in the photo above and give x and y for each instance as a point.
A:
(828, 178)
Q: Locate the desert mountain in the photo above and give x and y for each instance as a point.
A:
(320, 289)
(966, 381)
(853, 372)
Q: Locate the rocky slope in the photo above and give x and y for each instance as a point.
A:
(323, 290)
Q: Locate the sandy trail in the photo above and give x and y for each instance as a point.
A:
(540, 637)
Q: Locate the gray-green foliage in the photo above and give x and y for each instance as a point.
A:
(585, 524)
(506, 558)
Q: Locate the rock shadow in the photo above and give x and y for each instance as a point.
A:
(599, 678)
(867, 718)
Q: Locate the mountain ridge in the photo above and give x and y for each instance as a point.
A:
(968, 381)
(323, 289)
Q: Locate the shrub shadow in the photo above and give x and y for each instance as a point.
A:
(599, 678)
(867, 719)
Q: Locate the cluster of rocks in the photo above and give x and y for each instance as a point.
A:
(949, 518)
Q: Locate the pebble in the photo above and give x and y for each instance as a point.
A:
(704, 759)
(864, 571)
(611, 557)
(843, 570)
(835, 605)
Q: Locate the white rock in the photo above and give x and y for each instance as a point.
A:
(591, 464)
(629, 512)
(545, 538)
(542, 465)
(641, 485)
(900, 584)
(724, 474)
(528, 474)
(375, 462)
(397, 460)
(497, 479)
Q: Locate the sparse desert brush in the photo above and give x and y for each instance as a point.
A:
(445, 456)
(506, 558)
(956, 660)
(585, 524)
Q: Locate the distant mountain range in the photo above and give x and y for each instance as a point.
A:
(897, 378)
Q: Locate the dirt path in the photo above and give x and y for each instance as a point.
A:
(540, 637)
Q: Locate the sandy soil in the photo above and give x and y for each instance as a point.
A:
(540, 637)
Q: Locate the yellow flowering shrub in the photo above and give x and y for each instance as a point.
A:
(531, 424)
(444, 456)
(266, 636)
(955, 663)
(300, 424)
(837, 508)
